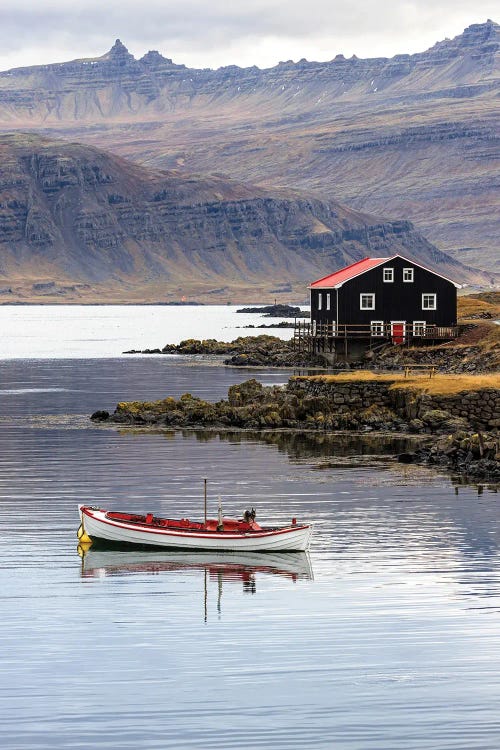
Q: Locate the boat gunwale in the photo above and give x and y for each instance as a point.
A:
(203, 533)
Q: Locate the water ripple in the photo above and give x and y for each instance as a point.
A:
(387, 637)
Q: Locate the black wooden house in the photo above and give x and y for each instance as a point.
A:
(380, 300)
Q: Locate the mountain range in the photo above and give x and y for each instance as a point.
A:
(412, 137)
(78, 222)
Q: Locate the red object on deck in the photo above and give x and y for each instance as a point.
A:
(230, 524)
(398, 333)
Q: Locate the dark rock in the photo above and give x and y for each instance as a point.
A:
(100, 416)
(276, 311)
(416, 425)
(282, 324)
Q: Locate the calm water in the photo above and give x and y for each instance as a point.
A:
(387, 636)
(81, 331)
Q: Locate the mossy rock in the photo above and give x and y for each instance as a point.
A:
(416, 425)
(174, 417)
(131, 407)
(347, 421)
(455, 424)
(191, 346)
(166, 404)
(377, 415)
(441, 420)
(138, 407)
(287, 411)
(271, 419)
(188, 398)
(204, 413)
(435, 417)
(244, 393)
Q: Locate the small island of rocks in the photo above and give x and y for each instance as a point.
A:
(462, 412)
(276, 311)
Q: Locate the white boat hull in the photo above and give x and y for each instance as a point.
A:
(288, 539)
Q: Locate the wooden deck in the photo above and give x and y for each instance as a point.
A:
(323, 336)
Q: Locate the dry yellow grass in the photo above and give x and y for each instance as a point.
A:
(439, 384)
(491, 340)
(446, 385)
(358, 375)
(478, 303)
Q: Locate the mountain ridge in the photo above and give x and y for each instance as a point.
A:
(413, 137)
(481, 38)
(154, 84)
(73, 215)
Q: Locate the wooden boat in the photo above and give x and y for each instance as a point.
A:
(221, 534)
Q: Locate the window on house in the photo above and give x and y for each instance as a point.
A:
(419, 327)
(367, 302)
(408, 275)
(320, 300)
(377, 327)
(388, 274)
(429, 302)
(327, 301)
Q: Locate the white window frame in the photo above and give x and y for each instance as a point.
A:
(390, 275)
(320, 300)
(430, 306)
(328, 300)
(372, 301)
(419, 327)
(376, 328)
(411, 273)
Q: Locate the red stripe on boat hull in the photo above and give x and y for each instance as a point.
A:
(288, 538)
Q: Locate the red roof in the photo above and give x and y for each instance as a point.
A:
(334, 279)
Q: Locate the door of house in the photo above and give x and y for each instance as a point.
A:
(398, 331)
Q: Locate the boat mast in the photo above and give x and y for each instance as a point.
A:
(220, 522)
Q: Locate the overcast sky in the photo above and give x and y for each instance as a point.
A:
(211, 33)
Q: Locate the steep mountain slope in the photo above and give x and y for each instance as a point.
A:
(72, 215)
(415, 136)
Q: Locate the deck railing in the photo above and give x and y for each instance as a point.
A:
(314, 331)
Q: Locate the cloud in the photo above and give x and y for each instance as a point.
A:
(208, 34)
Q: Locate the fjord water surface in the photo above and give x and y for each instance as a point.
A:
(387, 636)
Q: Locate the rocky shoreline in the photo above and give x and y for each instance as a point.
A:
(469, 421)
(476, 455)
(245, 351)
(465, 355)
(451, 358)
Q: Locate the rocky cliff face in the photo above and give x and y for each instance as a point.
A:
(72, 214)
(414, 136)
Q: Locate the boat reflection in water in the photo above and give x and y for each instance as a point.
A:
(101, 562)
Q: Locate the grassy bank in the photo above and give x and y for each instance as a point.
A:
(472, 305)
(439, 384)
